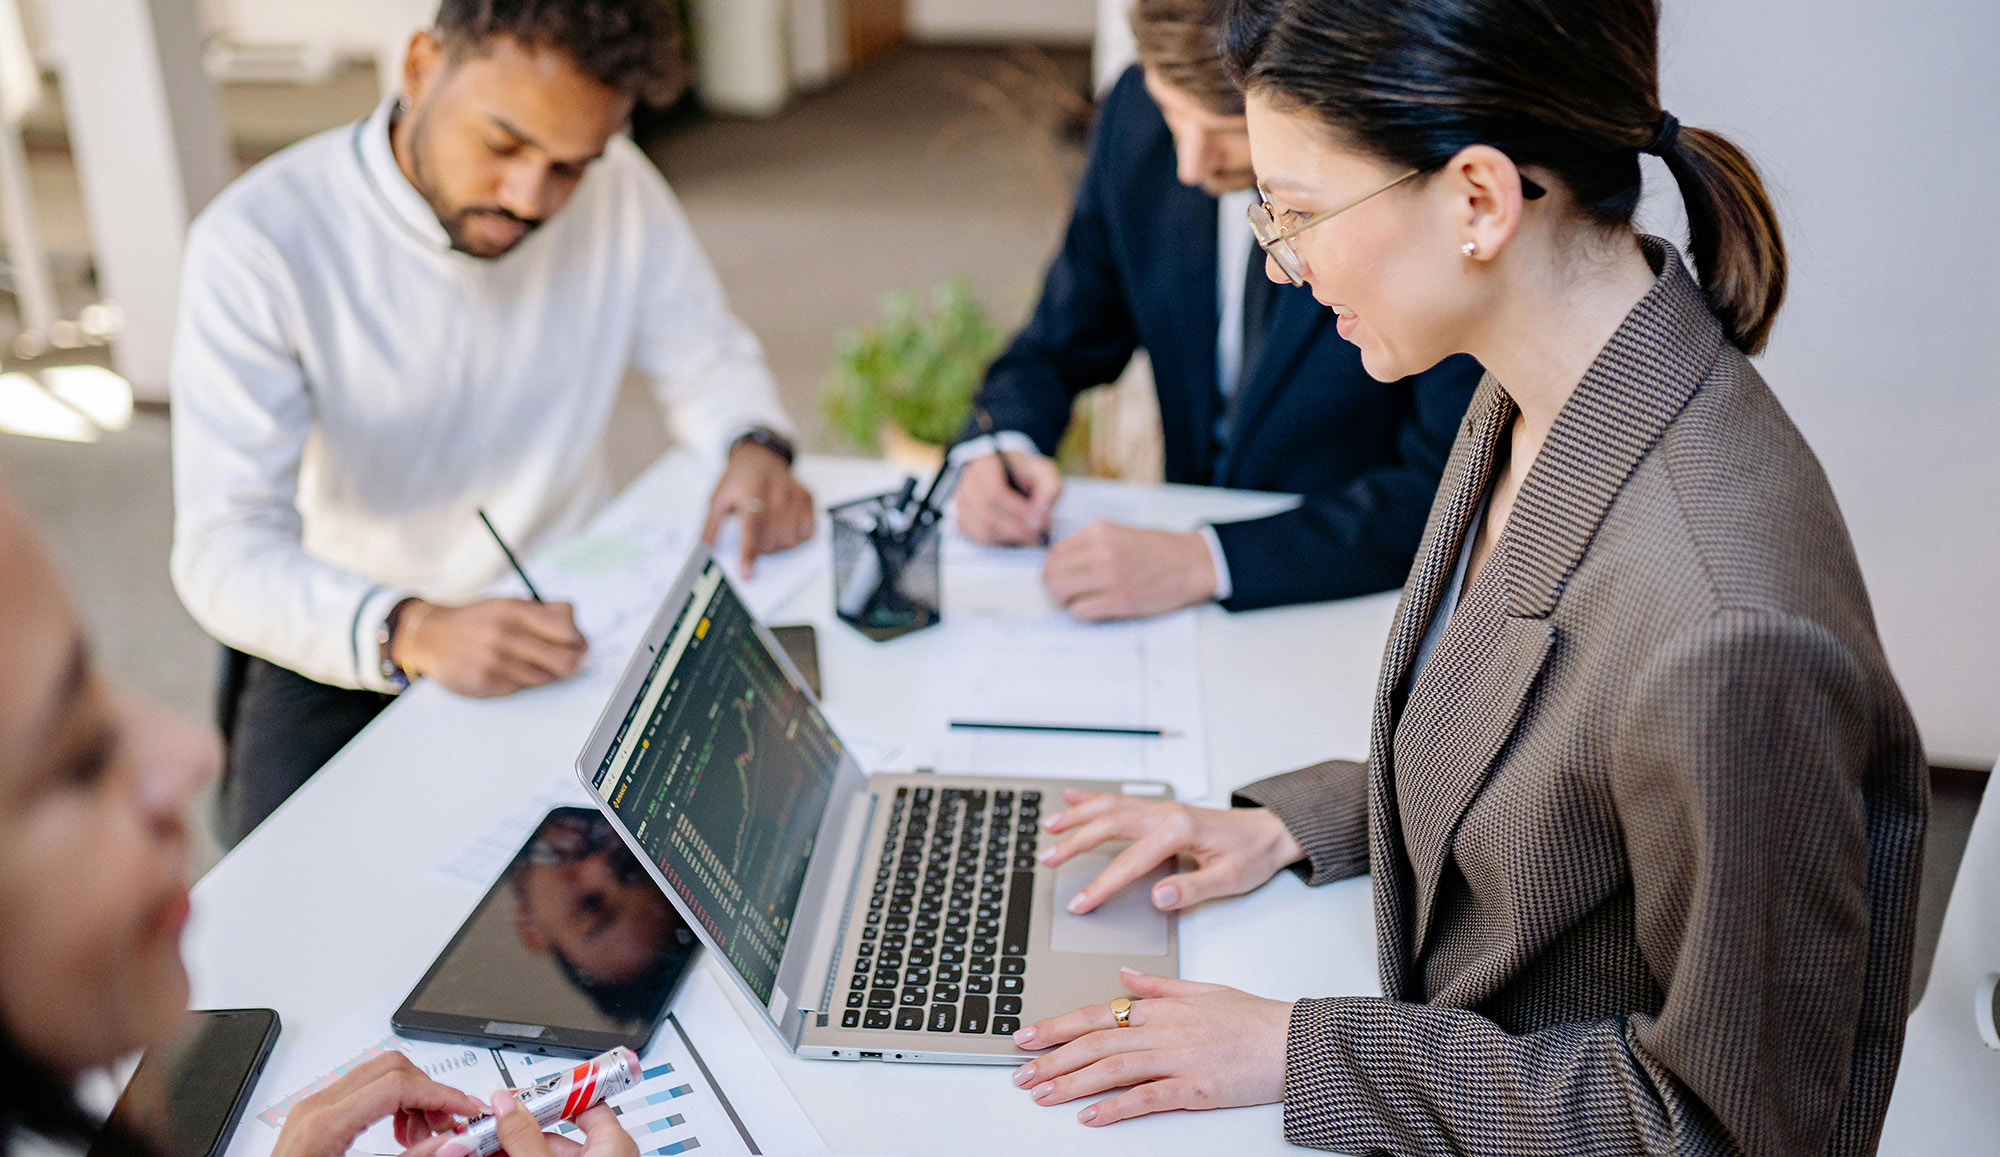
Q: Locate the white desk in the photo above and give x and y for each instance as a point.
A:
(328, 906)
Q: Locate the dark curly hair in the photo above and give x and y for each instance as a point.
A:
(631, 45)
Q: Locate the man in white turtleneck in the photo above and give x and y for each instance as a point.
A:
(396, 324)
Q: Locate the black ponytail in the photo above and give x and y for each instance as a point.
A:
(1569, 86)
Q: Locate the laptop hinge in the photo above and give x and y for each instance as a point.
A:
(857, 833)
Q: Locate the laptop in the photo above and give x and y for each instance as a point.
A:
(894, 917)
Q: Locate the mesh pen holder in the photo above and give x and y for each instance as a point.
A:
(886, 580)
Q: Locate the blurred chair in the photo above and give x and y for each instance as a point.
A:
(1947, 1098)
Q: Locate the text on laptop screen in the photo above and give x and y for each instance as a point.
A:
(721, 770)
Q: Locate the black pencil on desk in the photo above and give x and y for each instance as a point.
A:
(511, 560)
(1064, 728)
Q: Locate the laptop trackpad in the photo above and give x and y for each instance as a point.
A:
(1125, 925)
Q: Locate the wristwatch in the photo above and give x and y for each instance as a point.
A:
(385, 642)
(770, 440)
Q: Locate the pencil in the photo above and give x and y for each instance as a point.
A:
(1065, 728)
(511, 560)
(985, 421)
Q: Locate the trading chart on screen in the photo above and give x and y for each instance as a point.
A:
(721, 770)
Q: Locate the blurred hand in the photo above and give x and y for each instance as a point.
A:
(491, 648)
(758, 487)
(1189, 1046)
(1234, 849)
(521, 1135)
(1109, 571)
(327, 1123)
(990, 513)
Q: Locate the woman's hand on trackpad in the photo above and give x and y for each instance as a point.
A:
(1234, 849)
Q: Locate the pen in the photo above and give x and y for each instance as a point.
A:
(1064, 728)
(985, 421)
(511, 560)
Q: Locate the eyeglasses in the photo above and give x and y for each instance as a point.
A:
(1278, 242)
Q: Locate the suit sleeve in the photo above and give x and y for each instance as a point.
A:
(1081, 334)
(1738, 776)
(1325, 807)
(1360, 539)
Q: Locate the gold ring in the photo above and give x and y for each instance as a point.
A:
(1121, 1011)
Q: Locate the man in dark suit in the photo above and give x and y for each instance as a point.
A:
(1257, 390)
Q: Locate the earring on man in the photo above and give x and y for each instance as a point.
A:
(1469, 249)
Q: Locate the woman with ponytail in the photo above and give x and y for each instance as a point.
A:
(1644, 807)
(93, 898)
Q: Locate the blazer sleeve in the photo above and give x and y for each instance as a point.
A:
(1082, 332)
(1325, 807)
(1361, 538)
(1738, 777)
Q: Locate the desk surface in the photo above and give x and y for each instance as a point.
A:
(329, 906)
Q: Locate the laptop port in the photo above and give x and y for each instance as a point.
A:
(871, 1056)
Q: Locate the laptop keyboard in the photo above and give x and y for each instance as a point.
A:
(944, 943)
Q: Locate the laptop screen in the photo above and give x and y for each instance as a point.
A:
(721, 770)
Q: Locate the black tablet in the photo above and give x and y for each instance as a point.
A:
(572, 952)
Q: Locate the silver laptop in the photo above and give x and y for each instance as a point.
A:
(898, 917)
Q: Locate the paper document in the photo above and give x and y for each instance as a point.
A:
(707, 1086)
(475, 864)
(1050, 669)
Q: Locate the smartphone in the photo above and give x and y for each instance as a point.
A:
(189, 1092)
(801, 646)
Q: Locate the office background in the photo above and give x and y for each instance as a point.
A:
(895, 145)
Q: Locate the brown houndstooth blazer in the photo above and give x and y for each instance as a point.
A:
(1645, 834)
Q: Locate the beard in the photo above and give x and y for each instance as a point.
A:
(457, 220)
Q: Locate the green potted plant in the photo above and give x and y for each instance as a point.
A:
(904, 386)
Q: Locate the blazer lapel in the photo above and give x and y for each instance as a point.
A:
(1295, 319)
(1191, 289)
(1467, 474)
(1478, 681)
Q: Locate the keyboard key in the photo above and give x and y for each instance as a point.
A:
(856, 999)
(950, 973)
(865, 948)
(1012, 966)
(979, 984)
(877, 1020)
(1031, 796)
(916, 976)
(881, 998)
(1007, 1005)
(1010, 986)
(909, 1020)
(913, 997)
(1006, 1025)
(944, 993)
(951, 954)
(972, 1017)
(983, 947)
(944, 1018)
(868, 933)
(980, 966)
(851, 1018)
(860, 981)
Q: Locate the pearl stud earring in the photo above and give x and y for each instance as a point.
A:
(1470, 248)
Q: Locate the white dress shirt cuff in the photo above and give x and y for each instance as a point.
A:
(1011, 441)
(368, 619)
(1223, 587)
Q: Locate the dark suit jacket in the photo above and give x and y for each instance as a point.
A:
(1138, 268)
(1645, 835)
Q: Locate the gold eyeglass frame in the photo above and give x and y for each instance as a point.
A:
(1278, 242)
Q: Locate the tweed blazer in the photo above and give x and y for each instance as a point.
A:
(1645, 831)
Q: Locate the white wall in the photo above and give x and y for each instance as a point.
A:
(1874, 123)
(1043, 21)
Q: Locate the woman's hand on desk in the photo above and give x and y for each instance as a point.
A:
(1234, 849)
(1189, 1046)
(327, 1123)
(521, 1135)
